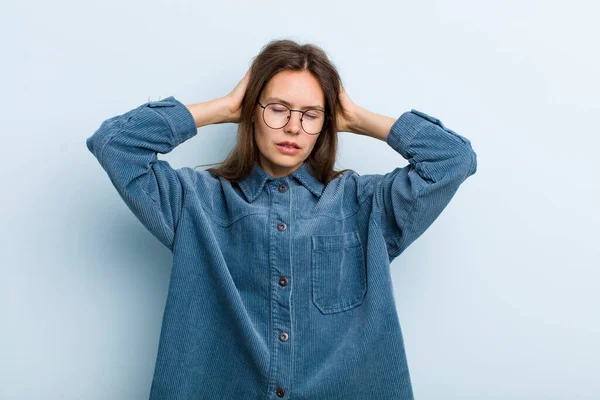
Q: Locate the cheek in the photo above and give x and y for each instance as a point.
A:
(260, 139)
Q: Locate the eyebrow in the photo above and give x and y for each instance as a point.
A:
(289, 105)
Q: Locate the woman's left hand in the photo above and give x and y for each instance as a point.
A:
(347, 115)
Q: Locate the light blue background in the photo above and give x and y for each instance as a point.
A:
(497, 300)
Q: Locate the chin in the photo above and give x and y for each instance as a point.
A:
(286, 161)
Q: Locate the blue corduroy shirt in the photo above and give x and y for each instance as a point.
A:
(280, 287)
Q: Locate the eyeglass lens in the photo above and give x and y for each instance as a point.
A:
(277, 115)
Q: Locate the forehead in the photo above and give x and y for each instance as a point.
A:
(298, 88)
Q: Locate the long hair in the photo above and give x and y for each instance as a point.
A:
(274, 57)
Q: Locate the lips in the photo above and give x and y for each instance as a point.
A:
(289, 144)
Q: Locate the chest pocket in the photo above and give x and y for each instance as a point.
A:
(338, 272)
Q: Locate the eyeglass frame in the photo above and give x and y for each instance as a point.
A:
(327, 117)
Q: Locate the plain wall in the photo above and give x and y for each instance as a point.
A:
(498, 299)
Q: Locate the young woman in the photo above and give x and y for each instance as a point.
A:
(280, 286)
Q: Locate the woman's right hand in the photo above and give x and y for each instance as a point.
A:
(234, 99)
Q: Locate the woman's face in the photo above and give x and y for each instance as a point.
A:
(301, 90)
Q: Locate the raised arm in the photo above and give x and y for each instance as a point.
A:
(126, 147)
(408, 199)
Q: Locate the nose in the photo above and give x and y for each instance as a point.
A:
(294, 125)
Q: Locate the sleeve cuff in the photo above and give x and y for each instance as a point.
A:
(178, 116)
(403, 131)
(409, 124)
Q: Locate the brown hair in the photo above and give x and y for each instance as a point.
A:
(274, 57)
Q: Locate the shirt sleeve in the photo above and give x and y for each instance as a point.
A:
(408, 199)
(126, 147)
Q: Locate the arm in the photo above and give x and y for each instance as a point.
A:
(371, 124)
(211, 112)
(126, 147)
(407, 200)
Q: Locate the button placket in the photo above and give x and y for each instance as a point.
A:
(281, 269)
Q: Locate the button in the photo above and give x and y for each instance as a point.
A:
(280, 392)
(283, 281)
(281, 226)
(283, 337)
(282, 188)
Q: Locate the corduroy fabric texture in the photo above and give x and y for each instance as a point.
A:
(280, 287)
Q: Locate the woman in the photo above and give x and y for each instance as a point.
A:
(281, 286)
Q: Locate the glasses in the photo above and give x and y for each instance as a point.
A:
(277, 115)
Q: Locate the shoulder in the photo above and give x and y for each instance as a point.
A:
(199, 180)
(353, 188)
(361, 186)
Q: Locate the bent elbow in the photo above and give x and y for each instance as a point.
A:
(470, 161)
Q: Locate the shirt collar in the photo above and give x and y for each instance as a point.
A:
(253, 184)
